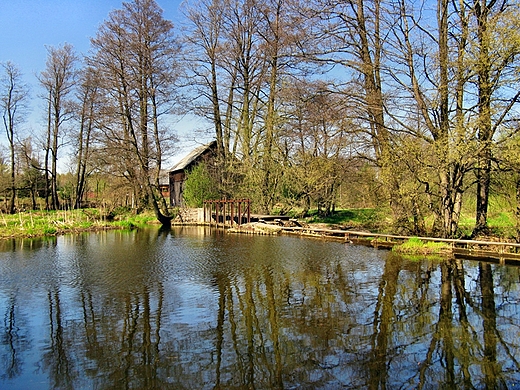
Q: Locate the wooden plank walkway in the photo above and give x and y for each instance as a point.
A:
(500, 251)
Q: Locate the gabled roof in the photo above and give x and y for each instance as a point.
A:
(193, 156)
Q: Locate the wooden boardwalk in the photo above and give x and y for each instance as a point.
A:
(503, 252)
(236, 214)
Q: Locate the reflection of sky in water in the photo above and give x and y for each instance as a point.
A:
(194, 308)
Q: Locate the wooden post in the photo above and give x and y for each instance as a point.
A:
(226, 207)
(240, 208)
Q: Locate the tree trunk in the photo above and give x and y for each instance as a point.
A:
(47, 152)
(54, 163)
(485, 133)
(517, 211)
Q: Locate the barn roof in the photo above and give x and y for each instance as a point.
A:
(193, 156)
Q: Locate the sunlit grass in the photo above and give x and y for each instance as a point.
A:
(45, 223)
(500, 223)
(352, 217)
(414, 245)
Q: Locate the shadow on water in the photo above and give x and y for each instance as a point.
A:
(197, 308)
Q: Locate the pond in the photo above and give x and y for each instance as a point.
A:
(194, 308)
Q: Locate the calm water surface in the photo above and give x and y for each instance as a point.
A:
(200, 309)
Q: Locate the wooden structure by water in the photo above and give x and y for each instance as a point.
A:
(237, 212)
(227, 212)
(234, 212)
(499, 251)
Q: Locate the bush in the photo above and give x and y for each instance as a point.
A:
(199, 186)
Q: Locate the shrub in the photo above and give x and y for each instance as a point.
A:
(199, 186)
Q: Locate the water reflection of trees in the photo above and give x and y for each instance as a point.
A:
(13, 340)
(272, 321)
(422, 327)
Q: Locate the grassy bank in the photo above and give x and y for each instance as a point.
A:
(370, 219)
(415, 246)
(46, 223)
(501, 223)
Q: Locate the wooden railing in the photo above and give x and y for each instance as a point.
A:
(227, 211)
(499, 250)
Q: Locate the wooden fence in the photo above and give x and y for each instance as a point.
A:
(227, 212)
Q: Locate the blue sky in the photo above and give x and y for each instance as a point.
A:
(28, 26)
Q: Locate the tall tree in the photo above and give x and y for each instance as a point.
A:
(32, 181)
(282, 30)
(205, 46)
(432, 101)
(14, 94)
(317, 131)
(462, 93)
(242, 55)
(496, 46)
(88, 99)
(58, 79)
(226, 71)
(135, 55)
(352, 36)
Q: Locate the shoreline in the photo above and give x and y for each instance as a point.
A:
(501, 251)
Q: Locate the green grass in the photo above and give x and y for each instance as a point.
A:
(48, 223)
(500, 224)
(415, 245)
(352, 217)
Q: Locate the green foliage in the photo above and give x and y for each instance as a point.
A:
(126, 224)
(32, 180)
(199, 186)
(501, 219)
(121, 210)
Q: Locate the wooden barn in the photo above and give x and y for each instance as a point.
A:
(177, 175)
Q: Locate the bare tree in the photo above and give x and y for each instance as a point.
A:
(318, 131)
(88, 100)
(225, 74)
(135, 57)
(462, 92)
(58, 79)
(242, 54)
(14, 94)
(205, 60)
